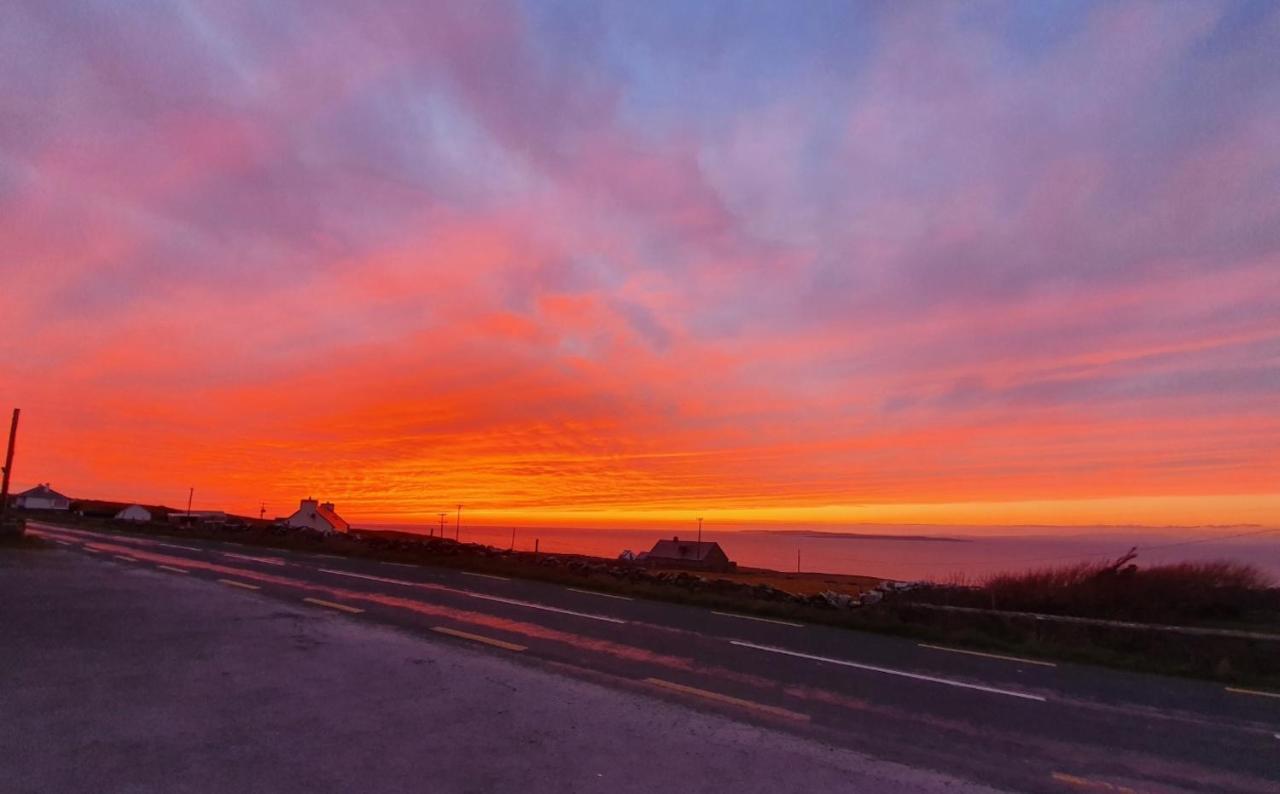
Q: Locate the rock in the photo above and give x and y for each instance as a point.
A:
(872, 597)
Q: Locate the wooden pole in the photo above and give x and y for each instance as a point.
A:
(8, 462)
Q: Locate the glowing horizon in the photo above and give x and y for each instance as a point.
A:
(1016, 264)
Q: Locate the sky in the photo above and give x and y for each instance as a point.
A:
(623, 263)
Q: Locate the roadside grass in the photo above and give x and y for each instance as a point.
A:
(1226, 595)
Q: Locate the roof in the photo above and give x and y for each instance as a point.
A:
(331, 517)
(676, 549)
(42, 491)
(104, 506)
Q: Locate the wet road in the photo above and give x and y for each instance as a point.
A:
(1013, 723)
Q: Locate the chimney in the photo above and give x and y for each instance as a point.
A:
(305, 503)
(328, 506)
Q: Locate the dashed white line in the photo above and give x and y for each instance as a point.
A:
(485, 575)
(63, 542)
(267, 560)
(890, 671)
(543, 607)
(473, 594)
(173, 569)
(1002, 657)
(367, 576)
(602, 595)
(759, 620)
(125, 558)
(1254, 692)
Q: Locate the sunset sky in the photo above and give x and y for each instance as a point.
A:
(639, 261)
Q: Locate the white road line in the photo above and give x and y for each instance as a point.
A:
(891, 671)
(474, 594)
(402, 565)
(1257, 692)
(123, 557)
(485, 575)
(1020, 659)
(466, 635)
(543, 607)
(733, 701)
(244, 585)
(367, 576)
(63, 542)
(331, 605)
(267, 560)
(171, 568)
(176, 546)
(602, 595)
(761, 620)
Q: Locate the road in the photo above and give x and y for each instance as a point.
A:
(1014, 724)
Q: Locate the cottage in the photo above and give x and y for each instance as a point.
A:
(41, 497)
(134, 513)
(676, 553)
(319, 517)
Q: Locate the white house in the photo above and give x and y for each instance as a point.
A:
(134, 513)
(320, 517)
(41, 497)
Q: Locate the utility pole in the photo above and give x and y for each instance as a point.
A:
(262, 512)
(699, 533)
(513, 538)
(8, 462)
(190, 493)
(442, 515)
(797, 561)
(457, 528)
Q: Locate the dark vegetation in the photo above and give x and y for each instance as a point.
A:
(1190, 593)
(1235, 601)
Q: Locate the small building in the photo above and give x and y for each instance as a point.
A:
(41, 497)
(134, 513)
(695, 555)
(317, 516)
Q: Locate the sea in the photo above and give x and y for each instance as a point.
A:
(933, 552)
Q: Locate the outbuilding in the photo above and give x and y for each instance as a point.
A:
(134, 513)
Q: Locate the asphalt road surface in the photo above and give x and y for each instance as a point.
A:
(934, 717)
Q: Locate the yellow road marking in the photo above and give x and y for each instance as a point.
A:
(123, 557)
(510, 646)
(322, 603)
(1257, 692)
(602, 595)
(1086, 783)
(485, 575)
(1021, 659)
(171, 568)
(758, 620)
(733, 701)
(234, 583)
